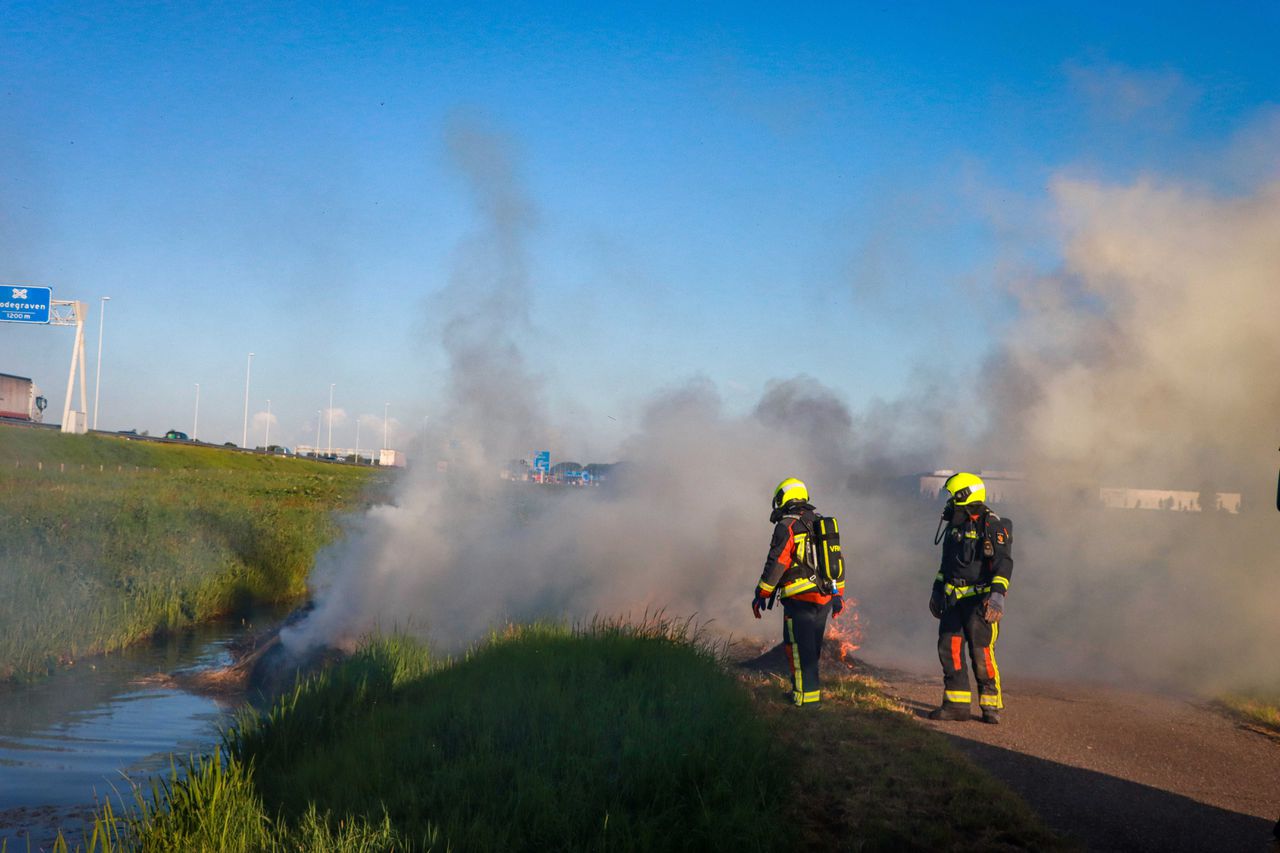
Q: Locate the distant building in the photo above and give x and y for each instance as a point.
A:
(1010, 486)
(1001, 485)
(516, 469)
(1168, 499)
(392, 458)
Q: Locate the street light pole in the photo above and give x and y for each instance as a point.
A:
(266, 442)
(97, 383)
(329, 451)
(195, 427)
(244, 436)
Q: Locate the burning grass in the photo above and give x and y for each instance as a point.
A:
(844, 632)
(110, 541)
(1258, 709)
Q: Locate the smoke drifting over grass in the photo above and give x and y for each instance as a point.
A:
(1148, 361)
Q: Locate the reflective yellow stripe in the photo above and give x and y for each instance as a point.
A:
(764, 587)
(961, 696)
(999, 581)
(798, 679)
(840, 587)
(966, 591)
(810, 696)
(995, 633)
(802, 585)
(989, 701)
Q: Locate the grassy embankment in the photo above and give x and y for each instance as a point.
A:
(105, 541)
(1262, 710)
(611, 738)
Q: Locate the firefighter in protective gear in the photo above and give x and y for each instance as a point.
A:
(968, 597)
(790, 574)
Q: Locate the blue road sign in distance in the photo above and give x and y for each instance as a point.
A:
(25, 304)
(542, 461)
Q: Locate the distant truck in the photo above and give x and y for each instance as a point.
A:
(20, 399)
(393, 458)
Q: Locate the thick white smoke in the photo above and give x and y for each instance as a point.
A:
(1148, 361)
(683, 528)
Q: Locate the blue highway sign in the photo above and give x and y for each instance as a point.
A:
(25, 304)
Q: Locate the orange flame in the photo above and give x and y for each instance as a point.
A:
(846, 629)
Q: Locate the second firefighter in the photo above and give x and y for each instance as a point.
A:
(968, 597)
(807, 597)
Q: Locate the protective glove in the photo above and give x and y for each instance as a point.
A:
(759, 602)
(937, 602)
(993, 608)
(837, 604)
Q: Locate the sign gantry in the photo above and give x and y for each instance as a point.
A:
(72, 313)
(22, 303)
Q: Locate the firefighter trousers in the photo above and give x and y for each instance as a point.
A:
(803, 625)
(962, 627)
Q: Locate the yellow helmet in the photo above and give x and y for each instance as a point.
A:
(789, 490)
(965, 489)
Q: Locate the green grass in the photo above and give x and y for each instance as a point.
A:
(609, 737)
(884, 782)
(107, 541)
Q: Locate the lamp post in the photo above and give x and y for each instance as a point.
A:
(244, 436)
(385, 408)
(195, 426)
(266, 441)
(97, 383)
(329, 450)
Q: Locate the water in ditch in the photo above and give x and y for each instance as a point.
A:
(83, 734)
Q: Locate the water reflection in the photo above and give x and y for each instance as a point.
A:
(68, 741)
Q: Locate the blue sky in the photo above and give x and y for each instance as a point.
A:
(735, 192)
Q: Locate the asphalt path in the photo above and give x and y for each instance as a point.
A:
(1120, 769)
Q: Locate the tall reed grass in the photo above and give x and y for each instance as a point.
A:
(145, 539)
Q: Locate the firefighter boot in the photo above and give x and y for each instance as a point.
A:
(991, 716)
(950, 711)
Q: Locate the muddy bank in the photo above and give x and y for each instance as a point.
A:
(260, 666)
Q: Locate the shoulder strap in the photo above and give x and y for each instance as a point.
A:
(987, 517)
(800, 517)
